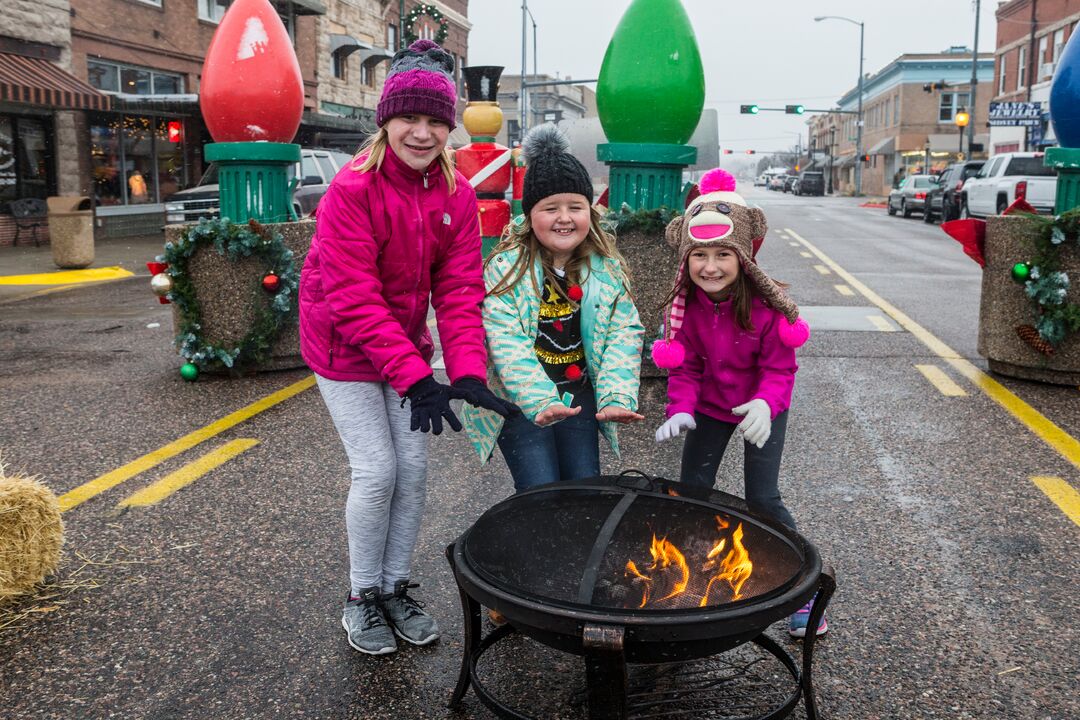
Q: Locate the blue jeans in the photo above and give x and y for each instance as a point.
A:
(704, 448)
(567, 450)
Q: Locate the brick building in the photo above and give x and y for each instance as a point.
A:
(40, 101)
(905, 128)
(1031, 35)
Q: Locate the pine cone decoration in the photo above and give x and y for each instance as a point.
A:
(1035, 341)
(258, 229)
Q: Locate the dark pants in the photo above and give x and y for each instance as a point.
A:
(704, 448)
(567, 450)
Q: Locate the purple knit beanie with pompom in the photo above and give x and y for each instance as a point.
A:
(420, 81)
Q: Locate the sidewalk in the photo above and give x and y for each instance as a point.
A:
(129, 254)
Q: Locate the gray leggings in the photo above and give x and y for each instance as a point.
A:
(389, 480)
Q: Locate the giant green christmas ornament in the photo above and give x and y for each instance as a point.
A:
(652, 85)
(1021, 272)
(189, 371)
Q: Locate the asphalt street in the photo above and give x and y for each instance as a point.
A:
(957, 573)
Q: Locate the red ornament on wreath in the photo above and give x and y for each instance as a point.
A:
(573, 373)
(271, 283)
(575, 293)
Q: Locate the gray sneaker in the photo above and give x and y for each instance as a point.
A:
(366, 626)
(409, 621)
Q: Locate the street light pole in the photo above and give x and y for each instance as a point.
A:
(859, 114)
(974, 80)
(524, 41)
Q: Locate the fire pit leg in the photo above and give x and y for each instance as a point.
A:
(605, 672)
(471, 610)
(825, 592)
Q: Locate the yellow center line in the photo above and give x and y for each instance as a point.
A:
(66, 277)
(1066, 445)
(805, 254)
(188, 474)
(941, 381)
(822, 269)
(1063, 495)
(844, 290)
(110, 479)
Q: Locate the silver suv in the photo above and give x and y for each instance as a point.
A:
(316, 169)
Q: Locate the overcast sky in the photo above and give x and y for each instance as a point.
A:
(766, 51)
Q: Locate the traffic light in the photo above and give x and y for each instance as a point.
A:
(175, 131)
(866, 158)
(794, 109)
(750, 152)
(796, 168)
(728, 152)
(748, 109)
(931, 87)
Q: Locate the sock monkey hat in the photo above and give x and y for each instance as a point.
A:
(719, 217)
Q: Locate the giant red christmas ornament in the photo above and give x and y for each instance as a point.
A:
(251, 86)
(271, 283)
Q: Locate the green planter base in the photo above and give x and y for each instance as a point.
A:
(253, 180)
(1067, 162)
(646, 175)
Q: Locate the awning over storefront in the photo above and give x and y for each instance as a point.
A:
(336, 122)
(845, 161)
(370, 55)
(309, 7)
(884, 147)
(174, 104)
(950, 142)
(34, 81)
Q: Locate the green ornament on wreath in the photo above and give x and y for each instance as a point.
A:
(1058, 315)
(409, 26)
(235, 242)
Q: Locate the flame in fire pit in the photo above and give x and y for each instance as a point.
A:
(669, 568)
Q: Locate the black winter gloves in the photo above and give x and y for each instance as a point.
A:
(430, 403)
(476, 393)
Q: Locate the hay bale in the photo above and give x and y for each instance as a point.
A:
(31, 533)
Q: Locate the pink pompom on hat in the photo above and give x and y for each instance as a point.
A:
(420, 81)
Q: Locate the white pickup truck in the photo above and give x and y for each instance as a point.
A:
(1003, 176)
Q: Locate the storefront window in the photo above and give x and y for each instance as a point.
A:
(25, 158)
(166, 84)
(134, 162)
(135, 82)
(103, 76)
(114, 77)
(8, 178)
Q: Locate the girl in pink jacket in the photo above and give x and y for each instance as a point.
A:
(397, 229)
(729, 346)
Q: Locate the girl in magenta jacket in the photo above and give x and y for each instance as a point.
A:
(729, 346)
(398, 228)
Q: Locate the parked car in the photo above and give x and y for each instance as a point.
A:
(777, 182)
(789, 183)
(910, 196)
(316, 169)
(944, 200)
(997, 183)
(761, 180)
(811, 182)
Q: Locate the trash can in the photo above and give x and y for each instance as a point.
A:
(71, 230)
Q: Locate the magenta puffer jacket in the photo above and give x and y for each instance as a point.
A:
(386, 242)
(727, 366)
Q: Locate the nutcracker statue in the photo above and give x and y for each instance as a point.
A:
(486, 163)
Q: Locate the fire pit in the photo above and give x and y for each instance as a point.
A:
(631, 569)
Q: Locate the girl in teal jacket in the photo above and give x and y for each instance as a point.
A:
(563, 336)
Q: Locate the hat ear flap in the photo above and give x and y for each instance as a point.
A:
(759, 225)
(673, 233)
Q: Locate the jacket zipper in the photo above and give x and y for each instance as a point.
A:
(331, 360)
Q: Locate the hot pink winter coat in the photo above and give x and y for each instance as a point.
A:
(727, 366)
(385, 243)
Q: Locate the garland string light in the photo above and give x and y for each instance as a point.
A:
(409, 26)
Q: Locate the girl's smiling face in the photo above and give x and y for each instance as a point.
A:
(714, 270)
(561, 223)
(417, 139)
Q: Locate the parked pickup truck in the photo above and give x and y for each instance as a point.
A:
(996, 185)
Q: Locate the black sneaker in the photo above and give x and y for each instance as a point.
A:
(365, 624)
(409, 621)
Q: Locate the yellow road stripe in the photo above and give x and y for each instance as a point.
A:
(822, 269)
(1066, 445)
(880, 323)
(188, 474)
(805, 254)
(794, 244)
(844, 290)
(110, 479)
(1063, 495)
(67, 276)
(941, 381)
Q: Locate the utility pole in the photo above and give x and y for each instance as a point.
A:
(401, 26)
(524, 42)
(858, 133)
(975, 80)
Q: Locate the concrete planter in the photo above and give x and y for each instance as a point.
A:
(225, 295)
(1004, 307)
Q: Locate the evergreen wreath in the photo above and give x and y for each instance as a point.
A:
(409, 26)
(235, 242)
(1058, 318)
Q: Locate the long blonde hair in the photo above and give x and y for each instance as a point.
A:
(375, 147)
(520, 235)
